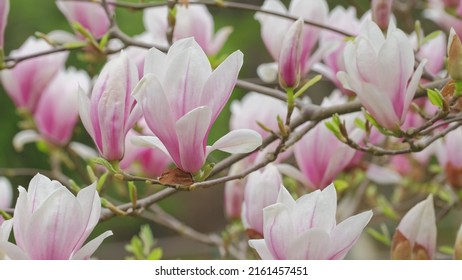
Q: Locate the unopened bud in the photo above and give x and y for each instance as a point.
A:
(381, 12)
(415, 236)
(289, 57)
(454, 56)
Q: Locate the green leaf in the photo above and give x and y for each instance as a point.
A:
(155, 254)
(360, 123)
(430, 37)
(341, 185)
(332, 126)
(447, 250)
(105, 163)
(435, 97)
(379, 236)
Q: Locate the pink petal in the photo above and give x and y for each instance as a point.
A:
(192, 130)
(86, 251)
(345, 234)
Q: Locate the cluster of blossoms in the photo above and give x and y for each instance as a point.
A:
(152, 107)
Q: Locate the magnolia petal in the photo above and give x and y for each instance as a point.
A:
(12, 251)
(412, 87)
(25, 137)
(86, 251)
(155, 63)
(383, 175)
(237, 141)
(84, 112)
(151, 142)
(268, 72)
(262, 250)
(294, 173)
(379, 106)
(311, 245)
(277, 227)
(90, 203)
(192, 129)
(345, 234)
(50, 235)
(220, 84)
(5, 229)
(83, 150)
(219, 40)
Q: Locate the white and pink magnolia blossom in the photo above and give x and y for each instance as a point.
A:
(50, 223)
(307, 229)
(150, 161)
(27, 80)
(446, 13)
(111, 111)
(181, 98)
(380, 70)
(274, 29)
(261, 190)
(320, 155)
(6, 195)
(234, 192)
(192, 21)
(289, 57)
(57, 113)
(91, 16)
(4, 11)
(334, 43)
(415, 236)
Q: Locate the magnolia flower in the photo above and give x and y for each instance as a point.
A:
(334, 43)
(4, 11)
(27, 80)
(320, 155)
(181, 98)
(261, 190)
(6, 195)
(307, 229)
(50, 223)
(415, 236)
(274, 29)
(56, 113)
(149, 161)
(446, 13)
(381, 72)
(192, 21)
(91, 16)
(110, 112)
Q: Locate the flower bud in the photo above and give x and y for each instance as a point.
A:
(415, 236)
(381, 12)
(289, 57)
(454, 56)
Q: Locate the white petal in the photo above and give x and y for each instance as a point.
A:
(83, 150)
(268, 72)
(151, 142)
(311, 245)
(238, 141)
(383, 175)
(262, 250)
(84, 112)
(86, 251)
(25, 137)
(12, 251)
(345, 234)
(294, 173)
